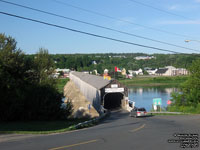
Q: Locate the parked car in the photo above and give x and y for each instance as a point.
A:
(138, 112)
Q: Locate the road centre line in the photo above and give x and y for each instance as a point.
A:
(134, 130)
(77, 144)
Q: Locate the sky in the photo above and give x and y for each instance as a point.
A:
(169, 21)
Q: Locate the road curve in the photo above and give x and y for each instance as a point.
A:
(118, 132)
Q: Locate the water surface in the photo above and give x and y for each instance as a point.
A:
(143, 96)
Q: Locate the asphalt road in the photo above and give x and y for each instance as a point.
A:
(118, 132)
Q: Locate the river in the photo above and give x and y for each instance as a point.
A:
(143, 96)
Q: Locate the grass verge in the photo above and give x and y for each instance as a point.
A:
(48, 127)
(39, 127)
(167, 114)
(185, 109)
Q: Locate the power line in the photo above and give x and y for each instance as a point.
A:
(87, 33)
(122, 32)
(160, 10)
(122, 20)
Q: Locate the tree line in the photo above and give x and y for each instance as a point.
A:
(84, 62)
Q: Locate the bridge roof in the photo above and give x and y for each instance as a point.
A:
(96, 81)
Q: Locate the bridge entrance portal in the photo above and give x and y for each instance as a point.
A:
(113, 100)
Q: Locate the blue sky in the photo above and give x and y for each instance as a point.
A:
(31, 36)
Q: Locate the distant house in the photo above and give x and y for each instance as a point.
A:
(58, 71)
(55, 75)
(150, 71)
(144, 57)
(171, 71)
(161, 72)
(124, 71)
(105, 71)
(94, 62)
(136, 72)
(181, 71)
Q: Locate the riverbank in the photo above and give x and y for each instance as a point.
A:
(154, 81)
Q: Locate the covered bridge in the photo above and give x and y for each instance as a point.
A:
(101, 93)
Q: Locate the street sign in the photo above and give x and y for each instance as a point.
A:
(114, 90)
(157, 101)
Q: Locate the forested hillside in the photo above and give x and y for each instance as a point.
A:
(82, 62)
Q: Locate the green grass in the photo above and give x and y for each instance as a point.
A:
(154, 81)
(185, 109)
(38, 127)
(165, 114)
(61, 83)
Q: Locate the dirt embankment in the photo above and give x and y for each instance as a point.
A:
(79, 102)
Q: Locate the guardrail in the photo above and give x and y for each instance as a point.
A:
(92, 121)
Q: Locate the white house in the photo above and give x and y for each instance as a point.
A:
(57, 71)
(136, 72)
(94, 62)
(105, 71)
(171, 71)
(151, 71)
(63, 70)
(124, 71)
(181, 71)
(144, 57)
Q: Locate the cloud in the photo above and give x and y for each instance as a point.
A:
(198, 1)
(183, 22)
